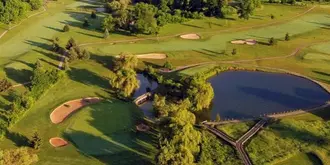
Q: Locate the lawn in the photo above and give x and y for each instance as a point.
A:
(302, 159)
(110, 138)
(236, 130)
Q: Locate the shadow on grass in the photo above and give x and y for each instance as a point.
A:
(52, 28)
(87, 77)
(17, 138)
(91, 35)
(194, 26)
(38, 44)
(19, 76)
(118, 142)
(106, 61)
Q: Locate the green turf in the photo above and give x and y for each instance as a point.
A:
(302, 159)
(109, 129)
(236, 130)
(317, 56)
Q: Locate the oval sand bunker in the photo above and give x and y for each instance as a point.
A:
(58, 142)
(190, 36)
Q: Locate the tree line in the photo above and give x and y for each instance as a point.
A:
(15, 10)
(148, 16)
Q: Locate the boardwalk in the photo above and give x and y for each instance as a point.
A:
(239, 144)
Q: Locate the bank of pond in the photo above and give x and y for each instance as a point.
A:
(250, 94)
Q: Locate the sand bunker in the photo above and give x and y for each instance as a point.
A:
(58, 142)
(190, 36)
(152, 56)
(142, 128)
(157, 56)
(247, 41)
(64, 110)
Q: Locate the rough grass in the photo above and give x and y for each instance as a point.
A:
(302, 159)
(106, 135)
(317, 56)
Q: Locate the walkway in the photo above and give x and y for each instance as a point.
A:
(239, 144)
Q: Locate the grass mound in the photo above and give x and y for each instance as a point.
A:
(107, 131)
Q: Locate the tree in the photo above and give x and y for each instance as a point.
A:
(106, 34)
(246, 8)
(66, 64)
(35, 4)
(217, 118)
(234, 51)
(38, 64)
(85, 55)
(66, 28)
(168, 65)
(144, 18)
(36, 141)
(108, 23)
(272, 41)
(19, 156)
(93, 15)
(73, 55)
(287, 37)
(4, 85)
(272, 16)
(71, 43)
(86, 23)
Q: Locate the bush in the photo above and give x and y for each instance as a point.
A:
(234, 52)
(66, 28)
(86, 23)
(93, 15)
(287, 37)
(4, 85)
(272, 41)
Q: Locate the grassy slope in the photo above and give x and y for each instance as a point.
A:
(109, 137)
(302, 159)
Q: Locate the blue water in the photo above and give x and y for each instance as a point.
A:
(244, 94)
(145, 83)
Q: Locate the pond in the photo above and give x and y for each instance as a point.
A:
(145, 84)
(245, 94)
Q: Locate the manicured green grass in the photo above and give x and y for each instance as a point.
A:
(317, 56)
(302, 159)
(109, 128)
(236, 130)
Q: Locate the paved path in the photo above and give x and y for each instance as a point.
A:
(239, 144)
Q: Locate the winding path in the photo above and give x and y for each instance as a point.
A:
(239, 144)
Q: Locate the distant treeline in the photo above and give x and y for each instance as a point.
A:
(14, 10)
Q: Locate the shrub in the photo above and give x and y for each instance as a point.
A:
(272, 41)
(287, 37)
(86, 23)
(93, 15)
(234, 52)
(4, 85)
(168, 65)
(66, 28)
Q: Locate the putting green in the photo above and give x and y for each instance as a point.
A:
(108, 128)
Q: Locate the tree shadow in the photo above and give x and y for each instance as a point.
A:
(91, 35)
(106, 61)
(19, 76)
(52, 28)
(51, 64)
(38, 44)
(50, 55)
(17, 138)
(120, 143)
(87, 77)
(194, 26)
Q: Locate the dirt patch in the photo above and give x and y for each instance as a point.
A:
(58, 142)
(142, 128)
(63, 111)
(190, 36)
